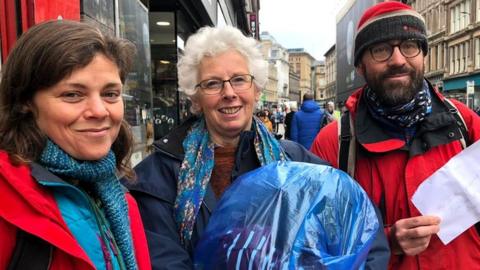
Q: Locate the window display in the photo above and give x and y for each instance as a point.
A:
(133, 25)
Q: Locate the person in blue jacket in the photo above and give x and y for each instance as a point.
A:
(307, 122)
(179, 184)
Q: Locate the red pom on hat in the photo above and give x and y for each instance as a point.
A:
(389, 21)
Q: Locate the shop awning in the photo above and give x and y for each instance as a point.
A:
(461, 83)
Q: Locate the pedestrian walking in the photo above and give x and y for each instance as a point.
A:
(288, 120)
(307, 122)
(277, 119)
(331, 113)
(263, 116)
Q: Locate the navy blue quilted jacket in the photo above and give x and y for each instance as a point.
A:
(306, 123)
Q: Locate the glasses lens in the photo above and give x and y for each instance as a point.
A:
(381, 52)
(410, 48)
(241, 82)
(215, 86)
(211, 86)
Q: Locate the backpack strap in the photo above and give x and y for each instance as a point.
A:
(347, 154)
(465, 140)
(347, 144)
(30, 252)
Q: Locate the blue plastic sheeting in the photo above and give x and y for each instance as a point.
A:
(289, 215)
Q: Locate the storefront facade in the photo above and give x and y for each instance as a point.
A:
(465, 89)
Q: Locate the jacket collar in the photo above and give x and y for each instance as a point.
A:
(171, 144)
(42, 175)
(438, 128)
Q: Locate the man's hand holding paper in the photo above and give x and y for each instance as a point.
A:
(453, 194)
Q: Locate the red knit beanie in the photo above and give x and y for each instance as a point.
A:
(389, 21)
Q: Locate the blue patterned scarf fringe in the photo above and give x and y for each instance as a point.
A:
(101, 174)
(403, 115)
(198, 164)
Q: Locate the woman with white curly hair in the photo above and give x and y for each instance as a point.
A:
(178, 185)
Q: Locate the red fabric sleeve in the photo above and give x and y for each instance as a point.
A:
(138, 234)
(325, 144)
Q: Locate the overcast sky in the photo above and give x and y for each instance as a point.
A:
(308, 24)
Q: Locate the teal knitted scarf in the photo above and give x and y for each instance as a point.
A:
(101, 174)
(197, 167)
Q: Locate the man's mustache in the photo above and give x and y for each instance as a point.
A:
(396, 71)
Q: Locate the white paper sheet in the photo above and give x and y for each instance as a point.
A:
(453, 194)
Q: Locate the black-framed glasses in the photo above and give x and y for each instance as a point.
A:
(381, 52)
(215, 86)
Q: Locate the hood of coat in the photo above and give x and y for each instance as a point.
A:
(310, 106)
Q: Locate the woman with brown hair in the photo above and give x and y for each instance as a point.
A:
(64, 142)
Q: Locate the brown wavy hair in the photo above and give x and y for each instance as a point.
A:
(43, 56)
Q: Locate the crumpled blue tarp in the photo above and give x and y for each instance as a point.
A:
(289, 215)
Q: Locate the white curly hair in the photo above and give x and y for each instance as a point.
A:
(211, 41)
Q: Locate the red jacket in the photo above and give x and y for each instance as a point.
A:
(391, 175)
(27, 205)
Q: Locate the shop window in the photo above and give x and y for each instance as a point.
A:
(477, 53)
(133, 25)
(163, 45)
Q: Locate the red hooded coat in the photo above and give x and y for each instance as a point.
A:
(25, 204)
(390, 174)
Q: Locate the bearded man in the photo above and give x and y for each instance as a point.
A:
(403, 130)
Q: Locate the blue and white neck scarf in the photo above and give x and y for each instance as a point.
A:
(404, 115)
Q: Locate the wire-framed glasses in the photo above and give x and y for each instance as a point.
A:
(215, 86)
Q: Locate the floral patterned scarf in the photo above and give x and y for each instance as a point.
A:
(197, 167)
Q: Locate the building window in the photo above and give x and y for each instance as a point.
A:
(274, 54)
(452, 20)
(433, 62)
(466, 55)
(478, 11)
(452, 60)
(428, 60)
(442, 16)
(460, 16)
(439, 57)
(477, 53)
